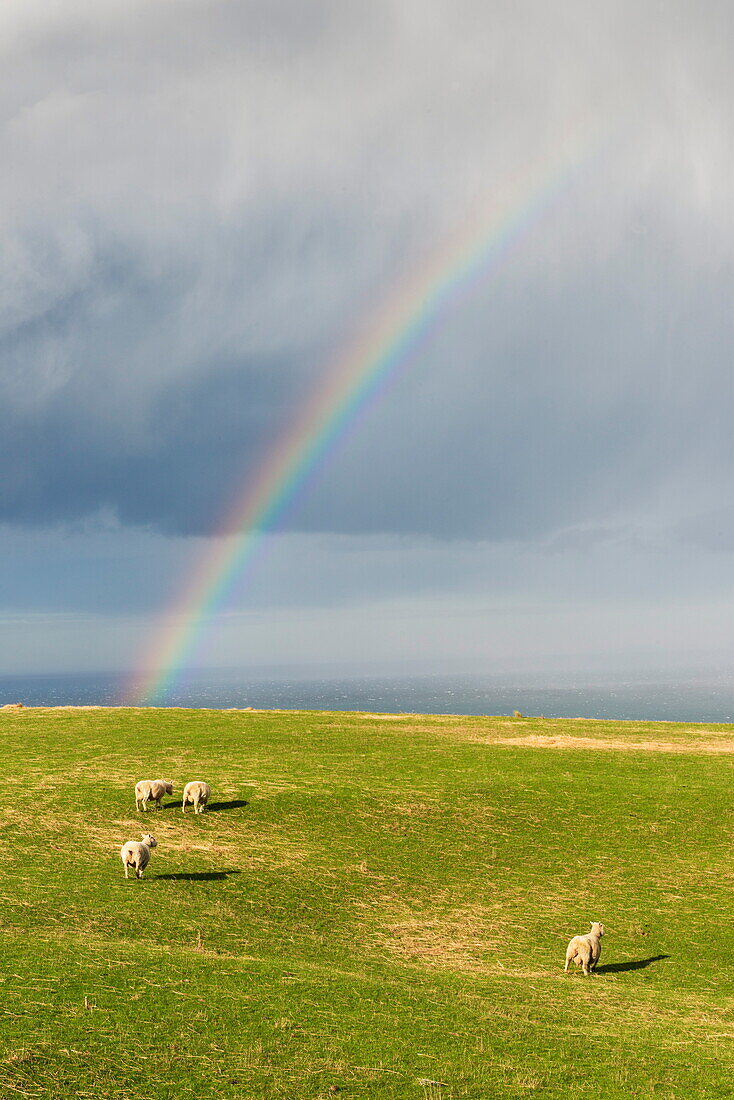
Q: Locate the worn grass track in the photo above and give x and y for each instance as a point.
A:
(374, 904)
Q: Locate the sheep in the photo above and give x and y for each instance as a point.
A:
(585, 950)
(136, 853)
(151, 790)
(198, 793)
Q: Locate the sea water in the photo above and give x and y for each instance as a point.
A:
(682, 697)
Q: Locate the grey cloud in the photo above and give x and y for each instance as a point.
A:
(711, 530)
(208, 198)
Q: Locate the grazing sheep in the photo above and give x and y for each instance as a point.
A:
(151, 790)
(585, 950)
(136, 853)
(198, 793)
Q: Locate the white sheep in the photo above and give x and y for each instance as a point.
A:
(136, 854)
(151, 790)
(198, 793)
(585, 950)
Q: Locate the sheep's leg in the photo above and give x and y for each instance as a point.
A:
(126, 870)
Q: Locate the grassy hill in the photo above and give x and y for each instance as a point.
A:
(374, 906)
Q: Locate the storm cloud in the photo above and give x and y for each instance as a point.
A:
(206, 200)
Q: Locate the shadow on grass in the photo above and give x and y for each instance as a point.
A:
(212, 807)
(199, 876)
(633, 964)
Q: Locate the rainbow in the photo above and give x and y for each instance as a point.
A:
(355, 378)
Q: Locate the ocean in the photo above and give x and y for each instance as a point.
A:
(665, 697)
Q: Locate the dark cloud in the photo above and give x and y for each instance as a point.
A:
(534, 409)
(207, 199)
(73, 457)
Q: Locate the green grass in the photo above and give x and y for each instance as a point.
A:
(372, 904)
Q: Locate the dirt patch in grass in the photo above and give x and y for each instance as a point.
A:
(539, 741)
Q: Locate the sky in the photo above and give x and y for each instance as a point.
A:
(203, 201)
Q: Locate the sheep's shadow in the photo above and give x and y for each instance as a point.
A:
(198, 876)
(211, 807)
(633, 964)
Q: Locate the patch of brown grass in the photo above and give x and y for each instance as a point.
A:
(457, 939)
(174, 838)
(542, 741)
(386, 717)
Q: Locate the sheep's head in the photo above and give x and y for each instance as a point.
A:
(597, 929)
(150, 841)
(167, 783)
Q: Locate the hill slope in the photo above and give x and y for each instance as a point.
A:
(377, 905)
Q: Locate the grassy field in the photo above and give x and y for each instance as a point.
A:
(374, 906)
